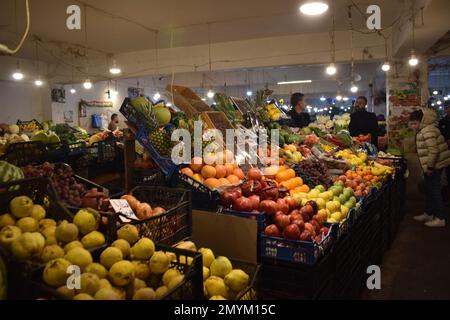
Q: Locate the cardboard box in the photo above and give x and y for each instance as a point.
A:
(226, 235)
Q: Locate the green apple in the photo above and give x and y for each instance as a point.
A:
(339, 183)
(314, 193)
(320, 187)
(349, 205)
(352, 200)
(342, 198)
(330, 195)
(348, 191)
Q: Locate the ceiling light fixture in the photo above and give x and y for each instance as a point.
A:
(432, 104)
(322, 98)
(115, 69)
(249, 93)
(314, 8)
(72, 90)
(294, 82)
(87, 84)
(413, 61)
(338, 97)
(38, 82)
(210, 94)
(445, 98)
(439, 102)
(156, 96)
(353, 88)
(331, 69)
(435, 92)
(386, 66)
(17, 74)
(345, 98)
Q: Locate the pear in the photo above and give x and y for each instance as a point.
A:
(142, 269)
(86, 220)
(220, 267)
(123, 245)
(28, 245)
(206, 273)
(128, 232)
(122, 273)
(175, 281)
(161, 292)
(110, 256)
(66, 292)
(55, 272)
(139, 284)
(8, 235)
(169, 275)
(49, 235)
(28, 224)
(83, 296)
(143, 249)
(237, 280)
(66, 232)
(79, 257)
(93, 239)
(89, 283)
(97, 269)
(107, 294)
(6, 220)
(44, 223)
(38, 212)
(144, 294)
(71, 245)
(207, 256)
(51, 252)
(21, 206)
(159, 262)
(215, 286)
(104, 283)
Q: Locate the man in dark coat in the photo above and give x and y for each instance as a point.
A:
(299, 118)
(363, 122)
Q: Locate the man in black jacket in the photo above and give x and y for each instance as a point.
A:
(363, 122)
(299, 118)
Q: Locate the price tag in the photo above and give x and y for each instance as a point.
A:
(122, 206)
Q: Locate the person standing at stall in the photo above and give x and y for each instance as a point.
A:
(114, 124)
(444, 127)
(299, 118)
(363, 122)
(434, 156)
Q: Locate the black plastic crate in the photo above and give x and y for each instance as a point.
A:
(296, 252)
(56, 152)
(203, 198)
(152, 177)
(286, 281)
(77, 148)
(131, 114)
(252, 269)
(23, 153)
(24, 124)
(172, 226)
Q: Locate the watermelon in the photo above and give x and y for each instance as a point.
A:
(9, 172)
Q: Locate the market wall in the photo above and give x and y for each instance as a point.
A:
(97, 93)
(24, 101)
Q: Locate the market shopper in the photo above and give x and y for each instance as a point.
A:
(434, 156)
(444, 127)
(363, 122)
(114, 124)
(299, 118)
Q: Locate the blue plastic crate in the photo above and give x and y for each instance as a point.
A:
(296, 251)
(165, 164)
(344, 227)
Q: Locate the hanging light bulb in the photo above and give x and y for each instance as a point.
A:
(249, 93)
(435, 92)
(72, 90)
(413, 61)
(115, 69)
(87, 84)
(331, 69)
(210, 94)
(445, 98)
(156, 96)
(38, 82)
(338, 97)
(322, 98)
(353, 88)
(386, 66)
(17, 74)
(345, 98)
(439, 102)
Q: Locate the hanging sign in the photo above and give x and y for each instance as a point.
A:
(101, 104)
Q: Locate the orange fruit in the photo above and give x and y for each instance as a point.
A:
(212, 183)
(224, 181)
(187, 171)
(208, 171)
(234, 164)
(196, 164)
(233, 179)
(198, 177)
(221, 171)
(230, 168)
(238, 173)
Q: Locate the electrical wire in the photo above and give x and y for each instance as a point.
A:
(4, 48)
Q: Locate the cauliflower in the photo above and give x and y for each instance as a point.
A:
(346, 116)
(329, 124)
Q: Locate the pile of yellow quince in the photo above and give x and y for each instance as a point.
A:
(353, 159)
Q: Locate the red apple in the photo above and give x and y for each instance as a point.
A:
(295, 216)
(292, 232)
(310, 228)
(305, 236)
(316, 226)
(242, 204)
(314, 206)
(320, 219)
(324, 231)
(300, 224)
(307, 209)
(291, 202)
(272, 231)
(254, 174)
(254, 199)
